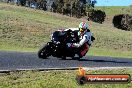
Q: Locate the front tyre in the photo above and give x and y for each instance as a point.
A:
(44, 52)
(41, 54)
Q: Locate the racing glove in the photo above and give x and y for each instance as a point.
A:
(69, 44)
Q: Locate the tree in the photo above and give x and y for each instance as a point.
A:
(53, 7)
(22, 2)
(60, 4)
(76, 8)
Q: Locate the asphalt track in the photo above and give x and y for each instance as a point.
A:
(28, 60)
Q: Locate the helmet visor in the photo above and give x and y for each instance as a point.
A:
(82, 29)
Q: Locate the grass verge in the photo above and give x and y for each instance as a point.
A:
(108, 52)
(56, 79)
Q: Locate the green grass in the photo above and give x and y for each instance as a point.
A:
(111, 53)
(114, 10)
(10, 47)
(56, 79)
(25, 29)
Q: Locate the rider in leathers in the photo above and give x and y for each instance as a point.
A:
(85, 39)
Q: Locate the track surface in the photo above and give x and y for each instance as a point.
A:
(26, 60)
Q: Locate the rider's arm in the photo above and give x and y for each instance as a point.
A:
(81, 42)
(86, 38)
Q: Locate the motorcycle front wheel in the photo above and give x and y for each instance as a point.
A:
(44, 52)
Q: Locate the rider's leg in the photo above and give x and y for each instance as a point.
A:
(83, 50)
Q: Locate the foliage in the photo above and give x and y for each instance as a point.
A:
(123, 21)
(76, 8)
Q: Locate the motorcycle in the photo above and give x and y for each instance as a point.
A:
(57, 47)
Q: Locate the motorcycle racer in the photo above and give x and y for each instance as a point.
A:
(68, 43)
(85, 37)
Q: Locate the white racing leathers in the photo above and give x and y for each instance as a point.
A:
(85, 38)
(84, 43)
